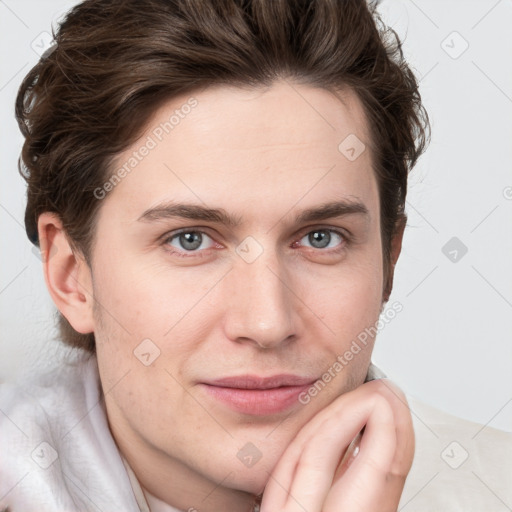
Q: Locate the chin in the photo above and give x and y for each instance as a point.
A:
(251, 480)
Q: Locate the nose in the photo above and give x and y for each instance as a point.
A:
(261, 304)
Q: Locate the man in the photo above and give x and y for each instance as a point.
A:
(217, 189)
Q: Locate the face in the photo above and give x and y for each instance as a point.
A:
(211, 333)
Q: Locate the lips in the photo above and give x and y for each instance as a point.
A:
(255, 382)
(255, 395)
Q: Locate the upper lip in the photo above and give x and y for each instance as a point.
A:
(258, 382)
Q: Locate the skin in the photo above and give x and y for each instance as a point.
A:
(264, 156)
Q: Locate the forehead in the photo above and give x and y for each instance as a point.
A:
(227, 145)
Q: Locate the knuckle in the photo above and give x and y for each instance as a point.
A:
(388, 390)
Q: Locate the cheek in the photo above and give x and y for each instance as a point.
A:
(349, 301)
(354, 285)
(145, 298)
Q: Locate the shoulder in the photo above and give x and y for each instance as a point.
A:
(45, 402)
(458, 464)
(55, 441)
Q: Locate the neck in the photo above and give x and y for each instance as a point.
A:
(181, 488)
(175, 483)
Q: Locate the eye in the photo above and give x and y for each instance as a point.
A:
(189, 241)
(324, 239)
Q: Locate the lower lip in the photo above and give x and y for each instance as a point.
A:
(260, 402)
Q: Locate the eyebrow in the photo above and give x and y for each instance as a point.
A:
(171, 210)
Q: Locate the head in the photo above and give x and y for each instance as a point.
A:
(219, 191)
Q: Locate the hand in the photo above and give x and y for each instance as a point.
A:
(313, 473)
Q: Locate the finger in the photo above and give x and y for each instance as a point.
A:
(349, 455)
(404, 455)
(311, 449)
(278, 487)
(321, 456)
(315, 454)
(303, 476)
(375, 479)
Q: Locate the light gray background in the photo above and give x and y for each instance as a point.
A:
(451, 346)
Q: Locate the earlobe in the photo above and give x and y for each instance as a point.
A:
(67, 276)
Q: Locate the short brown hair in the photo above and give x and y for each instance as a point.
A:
(116, 61)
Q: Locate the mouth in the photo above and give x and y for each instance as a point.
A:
(258, 396)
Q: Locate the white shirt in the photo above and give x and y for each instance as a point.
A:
(57, 453)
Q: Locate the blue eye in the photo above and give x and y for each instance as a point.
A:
(194, 243)
(189, 241)
(322, 238)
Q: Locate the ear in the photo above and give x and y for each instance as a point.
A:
(68, 277)
(396, 247)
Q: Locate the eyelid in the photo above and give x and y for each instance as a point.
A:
(165, 238)
(336, 229)
(195, 229)
(345, 235)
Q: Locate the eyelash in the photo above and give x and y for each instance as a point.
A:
(190, 254)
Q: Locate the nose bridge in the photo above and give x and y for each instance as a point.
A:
(261, 303)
